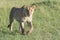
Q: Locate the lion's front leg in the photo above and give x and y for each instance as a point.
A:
(21, 28)
(31, 27)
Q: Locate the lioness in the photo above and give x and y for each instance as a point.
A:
(22, 15)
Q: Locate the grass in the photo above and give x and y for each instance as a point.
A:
(46, 20)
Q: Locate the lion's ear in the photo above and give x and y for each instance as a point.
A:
(33, 6)
(24, 6)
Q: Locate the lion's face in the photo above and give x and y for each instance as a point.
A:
(31, 10)
(28, 9)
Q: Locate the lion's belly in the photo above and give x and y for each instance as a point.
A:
(22, 19)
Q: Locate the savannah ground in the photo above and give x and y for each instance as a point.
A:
(46, 20)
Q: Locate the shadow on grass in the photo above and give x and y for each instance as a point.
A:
(5, 32)
(46, 3)
(50, 4)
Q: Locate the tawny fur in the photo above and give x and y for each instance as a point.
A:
(22, 15)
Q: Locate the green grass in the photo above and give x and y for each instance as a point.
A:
(46, 20)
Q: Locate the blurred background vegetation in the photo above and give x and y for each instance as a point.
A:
(46, 20)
